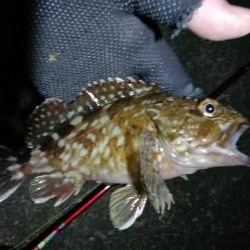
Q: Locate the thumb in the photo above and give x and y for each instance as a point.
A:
(218, 20)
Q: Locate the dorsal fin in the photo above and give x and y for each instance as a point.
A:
(44, 120)
(53, 117)
(103, 92)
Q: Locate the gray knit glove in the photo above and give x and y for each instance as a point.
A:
(74, 42)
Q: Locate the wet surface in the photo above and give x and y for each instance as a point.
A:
(212, 208)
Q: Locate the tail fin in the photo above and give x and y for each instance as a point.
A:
(12, 177)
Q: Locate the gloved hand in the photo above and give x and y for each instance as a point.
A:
(76, 42)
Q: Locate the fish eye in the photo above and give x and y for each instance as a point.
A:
(209, 107)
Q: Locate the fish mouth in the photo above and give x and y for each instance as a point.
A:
(236, 133)
(224, 152)
(227, 145)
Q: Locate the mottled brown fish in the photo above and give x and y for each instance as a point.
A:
(123, 131)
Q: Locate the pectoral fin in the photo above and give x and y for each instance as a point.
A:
(151, 163)
(126, 205)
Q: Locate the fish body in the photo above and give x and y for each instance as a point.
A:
(104, 146)
(128, 132)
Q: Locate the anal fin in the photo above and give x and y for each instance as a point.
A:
(45, 187)
(126, 205)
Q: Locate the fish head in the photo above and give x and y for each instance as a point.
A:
(203, 134)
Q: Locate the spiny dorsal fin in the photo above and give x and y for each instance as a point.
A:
(99, 94)
(54, 116)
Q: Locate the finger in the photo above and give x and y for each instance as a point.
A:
(218, 20)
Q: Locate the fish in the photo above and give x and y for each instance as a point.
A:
(122, 131)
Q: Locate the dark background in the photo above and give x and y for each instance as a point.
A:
(212, 208)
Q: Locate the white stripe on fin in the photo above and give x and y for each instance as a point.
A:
(108, 91)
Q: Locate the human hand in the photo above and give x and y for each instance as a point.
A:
(218, 20)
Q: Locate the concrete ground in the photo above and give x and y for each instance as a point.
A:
(212, 208)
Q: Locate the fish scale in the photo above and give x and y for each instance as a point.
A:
(127, 132)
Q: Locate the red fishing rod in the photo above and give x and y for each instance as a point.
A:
(46, 236)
